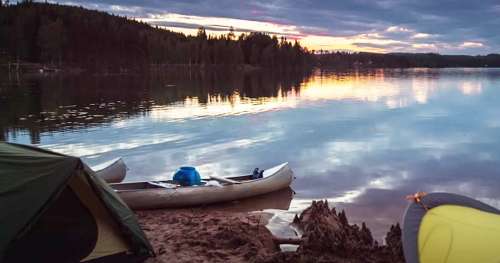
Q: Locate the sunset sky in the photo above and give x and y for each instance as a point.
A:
(445, 26)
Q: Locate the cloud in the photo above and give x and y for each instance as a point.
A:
(219, 24)
(421, 35)
(397, 29)
(125, 9)
(449, 23)
(425, 46)
(470, 44)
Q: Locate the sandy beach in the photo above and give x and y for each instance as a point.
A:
(197, 235)
(205, 235)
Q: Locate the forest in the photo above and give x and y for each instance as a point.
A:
(403, 60)
(73, 37)
(77, 37)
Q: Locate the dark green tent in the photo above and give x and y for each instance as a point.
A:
(54, 209)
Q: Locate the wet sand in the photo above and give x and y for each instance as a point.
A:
(206, 235)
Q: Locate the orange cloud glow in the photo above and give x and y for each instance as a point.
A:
(189, 24)
(394, 38)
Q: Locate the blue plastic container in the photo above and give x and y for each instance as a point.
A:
(187, 176)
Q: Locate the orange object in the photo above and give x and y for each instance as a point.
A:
(417, 198)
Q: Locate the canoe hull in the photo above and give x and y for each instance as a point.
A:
(114, 172)
(140, 199)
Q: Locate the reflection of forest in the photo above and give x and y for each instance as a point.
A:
(61, 102)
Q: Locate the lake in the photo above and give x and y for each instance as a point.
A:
(360, 139)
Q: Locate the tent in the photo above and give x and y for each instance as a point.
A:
(443, 227)
(54, 209)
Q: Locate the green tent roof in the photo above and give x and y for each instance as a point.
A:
(31, 178)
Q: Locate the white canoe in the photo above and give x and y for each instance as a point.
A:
(113, 171)
(164, 194)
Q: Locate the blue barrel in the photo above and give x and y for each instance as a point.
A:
(187, 176)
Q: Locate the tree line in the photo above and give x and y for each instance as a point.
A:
(74, 36)
(403, 60)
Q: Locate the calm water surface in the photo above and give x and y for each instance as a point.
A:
(362, 140)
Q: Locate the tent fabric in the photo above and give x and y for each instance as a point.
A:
(417, 217)
(451, 233)
(126, 219)
(31, 181)
(108, 240)
(67, 225)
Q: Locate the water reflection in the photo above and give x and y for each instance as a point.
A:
(278, 200)
(362, 140)
(217, 106)
(36, 105)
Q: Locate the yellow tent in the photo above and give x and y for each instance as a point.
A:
(451, 228)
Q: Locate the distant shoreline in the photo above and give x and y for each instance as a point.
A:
(30, 68)
(44, 69)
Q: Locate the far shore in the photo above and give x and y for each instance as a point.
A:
(41, 68)
(32, 68)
